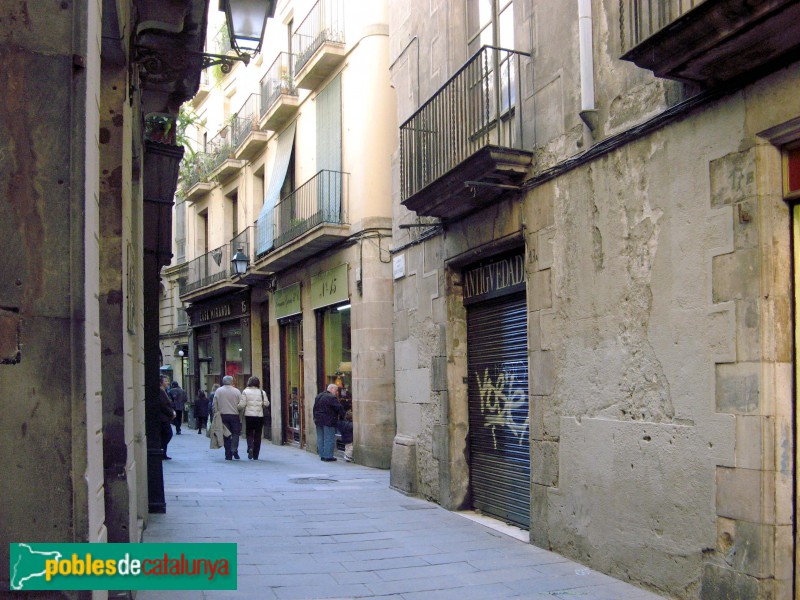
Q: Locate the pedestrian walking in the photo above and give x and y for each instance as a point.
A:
(226, 404)
(178, 396)
(166, 415)
(201, 410)
(254, 402)
(327, 411)
(211, 402)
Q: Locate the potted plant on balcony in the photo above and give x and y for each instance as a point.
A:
(287, 81)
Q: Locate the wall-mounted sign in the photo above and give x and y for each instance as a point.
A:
(495, 277)
(399, 266)
(330, 287)
(287, 301)
(232, 307)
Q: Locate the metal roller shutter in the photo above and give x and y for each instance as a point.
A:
(499, 444)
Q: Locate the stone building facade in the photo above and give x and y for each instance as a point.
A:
(632, 404)
(291, 166)
(87, 186)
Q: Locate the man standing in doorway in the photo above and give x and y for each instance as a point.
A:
(226, 401)
(327, 411)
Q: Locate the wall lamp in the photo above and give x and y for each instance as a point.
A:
(246, 21)
(239, 263)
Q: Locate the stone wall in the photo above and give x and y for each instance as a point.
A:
(659, 284)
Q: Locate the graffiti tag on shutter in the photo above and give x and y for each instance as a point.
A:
(503, 397)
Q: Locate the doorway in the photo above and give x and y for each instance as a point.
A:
(291, 344)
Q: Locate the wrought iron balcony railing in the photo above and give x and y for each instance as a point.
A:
(279, 80)
(639, 19)
(219, 148)
(207, 269)
(195, 169)
(324, 23)
(245, 120)
(323, 199)
(475, 108)
(245, 242)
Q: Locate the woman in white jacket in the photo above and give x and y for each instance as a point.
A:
(253, 402)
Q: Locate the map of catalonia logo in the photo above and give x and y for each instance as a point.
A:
(122, 566)
(27, 564)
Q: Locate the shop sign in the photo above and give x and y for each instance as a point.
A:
(329, 287)
(287, 301)
(495, 277)
(232, 308)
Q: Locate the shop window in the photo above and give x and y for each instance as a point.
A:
(791, 168)
(206, 379)
(334, 348)
(232, 350)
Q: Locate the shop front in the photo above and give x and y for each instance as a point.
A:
(288, 312)
(330, 301)
(219, 341)
(497, 363)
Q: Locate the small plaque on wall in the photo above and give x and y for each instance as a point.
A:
(399, 266)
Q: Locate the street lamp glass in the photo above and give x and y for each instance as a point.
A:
(247, 20)
(239, 262)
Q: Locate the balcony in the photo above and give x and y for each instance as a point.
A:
(708, 42)
(203, 90)
(309, 220)
(247, 137)
(193, 174)
(208, 275)
(319, 43)
(464, 146)
(279, 97)
(222, 163)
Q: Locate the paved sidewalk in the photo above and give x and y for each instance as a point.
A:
(308, 529)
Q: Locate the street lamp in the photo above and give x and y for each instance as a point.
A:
(247, 20)
(239, 262)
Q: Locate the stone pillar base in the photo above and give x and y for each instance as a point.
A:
(403, 476)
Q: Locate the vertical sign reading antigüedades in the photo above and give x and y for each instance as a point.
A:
(495, 277)
(287, 301)
(57, 567)
(329, 287)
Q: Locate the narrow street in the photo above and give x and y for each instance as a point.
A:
(307, 529)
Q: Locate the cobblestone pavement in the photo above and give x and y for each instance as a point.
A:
(309, 529)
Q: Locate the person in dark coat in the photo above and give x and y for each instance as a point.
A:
(201, 410)
(166, 415)
(346, 431)
(327, 411)
(178, 403)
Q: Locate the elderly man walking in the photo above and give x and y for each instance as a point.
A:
(327, 411)
(226, 402)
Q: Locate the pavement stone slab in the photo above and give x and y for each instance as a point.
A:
(306, 530)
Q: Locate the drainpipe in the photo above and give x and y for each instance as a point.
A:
(588, 111)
